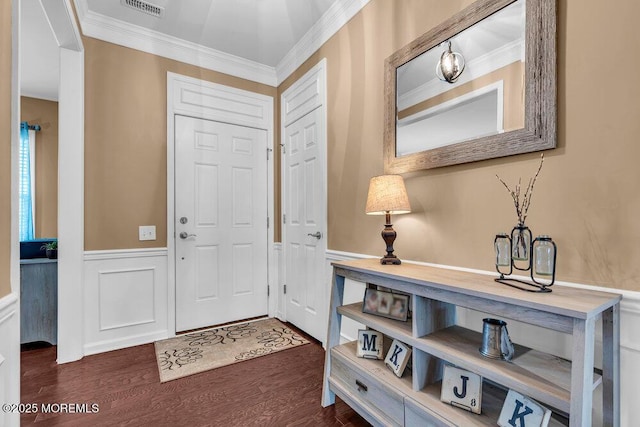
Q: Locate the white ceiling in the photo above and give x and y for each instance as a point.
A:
(258, 30)
(261, 40)
(39, 57)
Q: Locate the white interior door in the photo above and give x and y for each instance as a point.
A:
(305, 223)
(220, 222)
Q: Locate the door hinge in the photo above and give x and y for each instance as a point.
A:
(268, 290)
(285, 289)
(268, 222)
(284, 218)
(269, 150)
(284, 148)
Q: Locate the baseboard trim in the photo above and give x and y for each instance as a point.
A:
(117, 344)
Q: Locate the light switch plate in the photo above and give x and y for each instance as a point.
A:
(147, 232)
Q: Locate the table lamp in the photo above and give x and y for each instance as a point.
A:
(388, 195)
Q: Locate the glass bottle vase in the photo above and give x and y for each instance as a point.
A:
(520, 243)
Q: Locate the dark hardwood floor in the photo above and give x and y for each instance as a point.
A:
(282, 389)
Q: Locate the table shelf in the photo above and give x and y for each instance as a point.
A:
(566, 387)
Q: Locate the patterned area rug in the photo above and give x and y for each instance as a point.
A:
(212, 348)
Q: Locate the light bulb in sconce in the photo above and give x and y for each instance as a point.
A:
(450, 66)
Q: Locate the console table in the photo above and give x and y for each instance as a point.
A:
(564, 386)
(38, 300)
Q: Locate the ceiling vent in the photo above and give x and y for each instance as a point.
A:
(145, 7)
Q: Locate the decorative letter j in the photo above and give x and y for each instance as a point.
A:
(464, 388)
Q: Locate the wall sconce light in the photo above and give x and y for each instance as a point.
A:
(388, 195)
(541, 263)
(450, 66)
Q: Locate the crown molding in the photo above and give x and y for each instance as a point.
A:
(132, 36)
(331, 21)
(135, 37)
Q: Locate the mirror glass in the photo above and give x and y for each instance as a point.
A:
(503, 102)
(487, 98)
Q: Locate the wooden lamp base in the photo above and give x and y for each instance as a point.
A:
(389, 236)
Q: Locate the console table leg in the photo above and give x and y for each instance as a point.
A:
(611, 366)
(582, 372)
(333, 336)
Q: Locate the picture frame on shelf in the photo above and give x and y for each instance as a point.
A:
(386, 304)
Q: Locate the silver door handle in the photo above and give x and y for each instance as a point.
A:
(185, 235)
(317, 235)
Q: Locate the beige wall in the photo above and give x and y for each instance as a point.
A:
(126, 142)
(5, 146)
(44, 113)
(586, 197)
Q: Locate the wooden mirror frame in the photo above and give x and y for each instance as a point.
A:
(540, 115)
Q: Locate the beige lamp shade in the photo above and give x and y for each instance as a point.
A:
(387, 194)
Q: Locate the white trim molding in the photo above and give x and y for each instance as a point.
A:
(330, 23)
(9, 357)
(132, 36)
(111, 30)
(124, 253)
(125, 298)
(70, 179)
(549, 341)
(201, 99)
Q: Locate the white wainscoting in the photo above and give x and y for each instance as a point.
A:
(125, 298)
(9, 357)
(550, 341)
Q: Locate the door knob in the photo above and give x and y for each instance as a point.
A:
(317, 235)
(185, 235)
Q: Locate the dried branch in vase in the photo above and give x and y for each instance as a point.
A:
(522, 205)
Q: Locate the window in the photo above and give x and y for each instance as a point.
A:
(27, 181)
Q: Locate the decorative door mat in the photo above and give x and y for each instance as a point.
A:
(212, 348)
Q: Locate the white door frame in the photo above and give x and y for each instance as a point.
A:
(305, 95)
(70, 180)
(201, 99)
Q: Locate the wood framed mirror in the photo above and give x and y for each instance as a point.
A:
(503, 103)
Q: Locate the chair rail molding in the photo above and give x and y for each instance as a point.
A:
(550, 341)
(9, 357)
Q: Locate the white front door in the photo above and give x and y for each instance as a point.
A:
(220, 222)
(305, 210)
